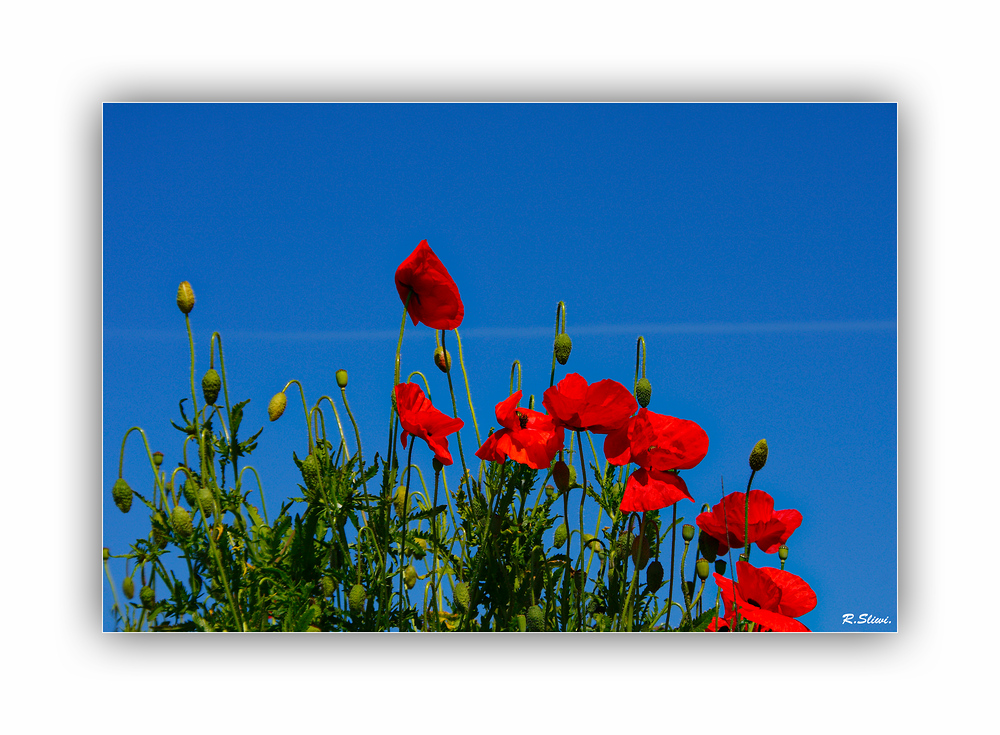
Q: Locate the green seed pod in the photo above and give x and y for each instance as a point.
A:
(654, 576)
(180, 519)
(522, 623)
(562, 347)
(356, 599)
(128, 588)
(160, 537)
(311, 475)
(326, 584)
(758, 457)
(561, 535)
(708, 546)
(437, 465)
(157, 458)
(535, 619)
(147, 597)
(687, 532)
(720, 566)
(744, 557)
(409, 576)
(276, 407)
(461, 593)
(122, 495)
(782, 552)
(185, 297)
(643, 392)
(701, 567)
(442, 358)
(211, 384)
(341, 378)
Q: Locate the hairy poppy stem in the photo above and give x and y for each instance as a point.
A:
(746, 517)
(583, 497)
(402, 537)
(305, 408)
(560, 310)
(468, 392)
(458, 434)
(673, 549)
(225, 393)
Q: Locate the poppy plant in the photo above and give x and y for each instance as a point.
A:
(433, 296)
(767, 527)
(527, 437)
(658, 444)
(600, 408)
(770, 598)
(419, 417)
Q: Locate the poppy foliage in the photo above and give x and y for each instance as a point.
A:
(770, 598)
(419, 417)
(433, 296)
(528, 437)
(768, 528)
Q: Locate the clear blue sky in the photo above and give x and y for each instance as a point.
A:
(754, 246)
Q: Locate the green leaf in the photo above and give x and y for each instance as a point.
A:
(429, 513)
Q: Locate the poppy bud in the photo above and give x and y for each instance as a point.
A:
(327, 586)
(442, 358)
(210, 386)
(107, 553)
(643, 392)
(310, 473)
(436, 464)
(782, 552)
(341, 378)
(640, 551)
(180, 519)
(591, 542)
(560, 535)
(185, 297)
(128, 588)
(409, 576)
(277, 406)
(654, 576)
(535, 619)
(157, 458)
(701, 567)
(720, 566)
(356, 598)
(147, 597)
(563, 346)
(160, 538)
(687, 532)
(758, 457)
(708, 546)
(560, 475)
(461, 597)
(122, 495)
(398, 500)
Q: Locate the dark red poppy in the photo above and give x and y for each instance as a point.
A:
(768, 528)
(657, 444)
(770, 598)
(435, 300)
(601, 408)
(528, 437)
(419, 417)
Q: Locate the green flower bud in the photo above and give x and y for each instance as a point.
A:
(522, 623)
(356, 599)
(122, 495)
(442, 358)
(327, 586)
(400, 501)
(687, 532)
(277, 406)
(535, 619)
(147, 597)
(210, 386)
(643, 392)
(461, 594)
(341, 378)
(205, 500)
(782, 552)
(758, 457)
(641, 551)
(437, 465)
(701, 567)
(157, 458)
(180, 519)
(107, 553)
(561, 535)
(311, 475)
(185, 297)
(409, 576)
(128, 588)
(562, 347)
(720, 566)
(160, 537)
(560, 475)
(654, 576)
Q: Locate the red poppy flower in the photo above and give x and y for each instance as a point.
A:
(771, 598)
(419, 417)
(768, 528)
(528, 437)
(601, 408)
(657, 444)
(435, 300)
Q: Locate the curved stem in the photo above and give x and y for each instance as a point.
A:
(746, 517)
(305, 409)
(640, 344)
(472, 410)
(516, 364)
(260, 489)
(454, 410)
(225, 393)
(336, 415)
(560, 310)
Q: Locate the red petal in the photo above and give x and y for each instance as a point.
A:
(650, 490)
(797, 597)
(435, 300)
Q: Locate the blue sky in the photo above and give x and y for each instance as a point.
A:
(754, 246)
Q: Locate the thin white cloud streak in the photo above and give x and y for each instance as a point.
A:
(377, 335)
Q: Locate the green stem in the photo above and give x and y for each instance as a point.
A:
(458, 434)
(472, 410)
(260, 489)
(673, 549)
(229, 413)
(560, 310)
(114, 592)
(305, 409)
(746, 517)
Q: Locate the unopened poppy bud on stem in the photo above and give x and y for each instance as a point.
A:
(276, 407)
(128, 587)
(758, 457)
(211, 384)
(185, 297)
(643, 392)
(122, 495)
(442, 358)
(341, 378)
(654, 576)
(560, 535)
(561, 477)
(356, 598)
(562, 347)
(720, 566)
(410, 576)
(147, 597)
